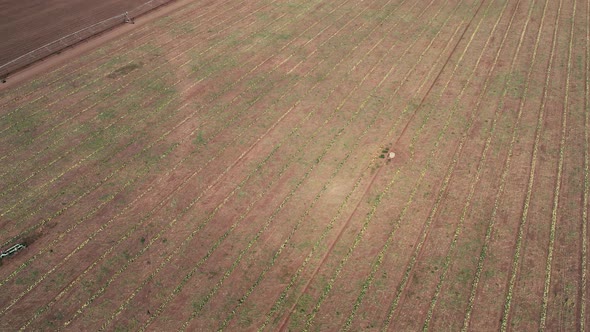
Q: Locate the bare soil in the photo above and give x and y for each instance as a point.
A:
(226, 166)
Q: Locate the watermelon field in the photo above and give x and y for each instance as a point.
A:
(314, 165)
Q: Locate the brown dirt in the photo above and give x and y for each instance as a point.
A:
(226, 166)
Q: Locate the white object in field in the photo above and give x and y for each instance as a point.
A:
(391, 155)
(12, 250)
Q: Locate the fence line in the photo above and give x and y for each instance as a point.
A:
(76, 37)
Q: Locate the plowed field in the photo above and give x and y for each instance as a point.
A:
(28, 24)
(306, 165)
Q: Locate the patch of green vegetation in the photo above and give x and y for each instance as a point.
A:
(246, 316)
(27, 279)
(166, 20)
(151, 49)
(214, 67)
(262, 16)
(182, 29)
(299, 315)
(107, 114)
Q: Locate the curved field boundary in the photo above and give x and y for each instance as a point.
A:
(529, 192)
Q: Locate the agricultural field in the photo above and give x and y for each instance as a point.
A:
(29, 24)
(308, 165)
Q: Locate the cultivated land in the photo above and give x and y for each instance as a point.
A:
(27, 25)
(227, 167)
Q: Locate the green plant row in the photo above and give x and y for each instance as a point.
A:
(562, 146)
(523, 220)
(481, 163)
(367, 283)
(282, 297)
(226, 89)
(177, 289)
(99, 77)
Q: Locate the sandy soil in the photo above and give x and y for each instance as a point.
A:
(225, 166)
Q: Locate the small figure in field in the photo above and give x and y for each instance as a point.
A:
(127, 19)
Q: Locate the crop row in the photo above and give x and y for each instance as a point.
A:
(585, 200)
(232, 85)
(121, 47)
(190, 274)
(317, 197)
(129, 50)
(562, 145)
(525, 209)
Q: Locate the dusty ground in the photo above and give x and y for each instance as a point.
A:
(225, 167)
(28, 25)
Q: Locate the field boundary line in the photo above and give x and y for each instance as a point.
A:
(558, 180)
(529, 192)
(79, 35)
